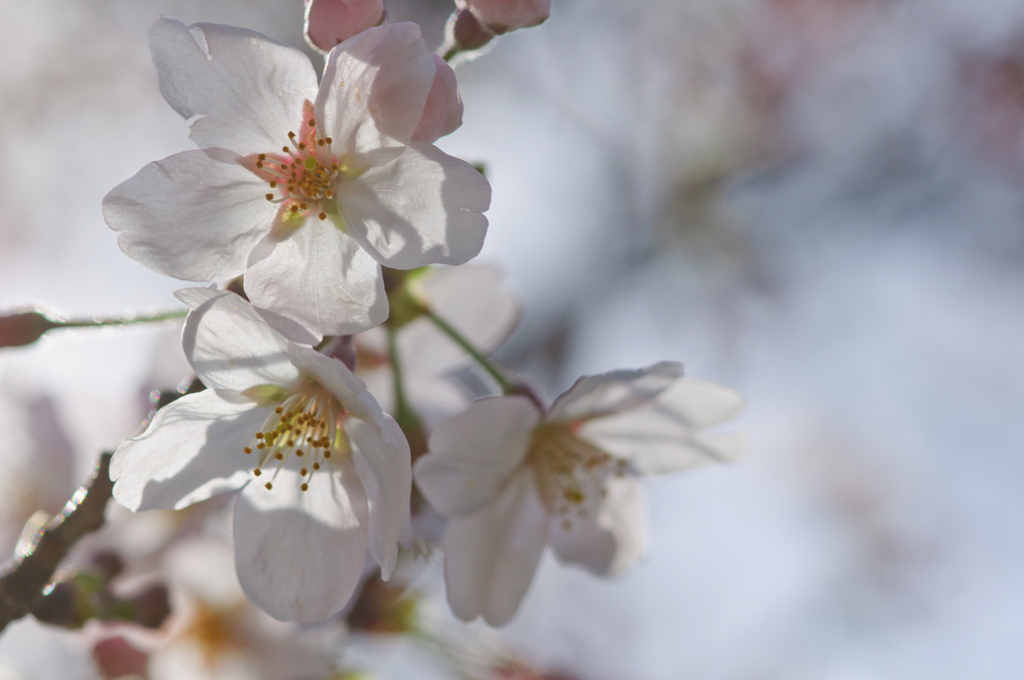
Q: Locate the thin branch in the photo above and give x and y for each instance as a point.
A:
(21, 588)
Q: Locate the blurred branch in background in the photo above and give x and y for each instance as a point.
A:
(23, 589)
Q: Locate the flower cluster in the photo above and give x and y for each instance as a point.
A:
(327, 357)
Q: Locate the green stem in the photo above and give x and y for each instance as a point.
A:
(121, 320)
(401, 405)
(507, 386)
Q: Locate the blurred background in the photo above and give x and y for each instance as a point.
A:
(817, 202)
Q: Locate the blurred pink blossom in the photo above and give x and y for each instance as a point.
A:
(329, 22)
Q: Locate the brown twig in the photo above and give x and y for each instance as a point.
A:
(21, 588)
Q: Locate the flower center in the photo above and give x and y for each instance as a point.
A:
(303, 173)
(570, 471)
(306, 425)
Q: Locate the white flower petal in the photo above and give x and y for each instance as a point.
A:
(593, 396)
(374, 90)
(334, 376)
(491, 555)
(246, 89)
(191, 451)
(472, 298)
(299, 554)
(423, 207)
(230, 346)
(317, 282)
(611, 537)
(385, 470)
(663, 436)
(471, 455)
(701, 404)
(194, 215)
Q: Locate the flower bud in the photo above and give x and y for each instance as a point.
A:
(343, 349)
(442, 114)
(329, 22)
(466, 33)
(18, 330)
(501, 16)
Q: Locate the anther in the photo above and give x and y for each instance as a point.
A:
(262, 157)
(261, 446)
(285, 149)
(322, 216)
(316, 466)
(312, 123)
(291, 135)
(270, 197)
(304, 487)
(257, 472)
(328, 140)
(259, 435)
(327, 454)
(247, 449)
(303, 472)
(279, 455)
(269, 486)
(299, 453)
(273, 184)
(302, 146)
(278, 410)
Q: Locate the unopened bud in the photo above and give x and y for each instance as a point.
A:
(501, 16)
(329, 22)
(18, 330)
(343, 349)
(466, 32)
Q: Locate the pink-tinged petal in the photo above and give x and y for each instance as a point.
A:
(473, 454)
(491, 555)
(665, 436)
(317, 282)
(246, 90)
(299, 554)
(611, 537)
(230, 346)
(374, 90)
(194, 215)
(472, 298)
(424, 207)
(442, 114)
(329, 22)
(385, 469)
(510, 15)
(594, 396)
(191, 451)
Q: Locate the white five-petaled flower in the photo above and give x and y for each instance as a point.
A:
(306, 190)
(325, 474)
(512, 479)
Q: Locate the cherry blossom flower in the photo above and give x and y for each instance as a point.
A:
(501, 16)
(216, 633)
(329, 22)
(512, 479)
(306, 191)
(472, 298)
(324, 474)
